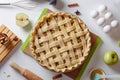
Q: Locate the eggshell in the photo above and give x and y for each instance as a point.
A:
(108, 15)
(102, 8)
(100, 21)
(94, 14)
(107, 28)
(114, 23)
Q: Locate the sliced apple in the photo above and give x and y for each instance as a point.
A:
(22, 19)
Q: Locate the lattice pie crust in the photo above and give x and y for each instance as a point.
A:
(60, 41)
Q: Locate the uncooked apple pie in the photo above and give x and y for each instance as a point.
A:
(60, 41)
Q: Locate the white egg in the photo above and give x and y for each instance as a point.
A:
(94, 14)
(108, 15)
(100, 21)
(114, 23)
(102, 8)
(106, 28)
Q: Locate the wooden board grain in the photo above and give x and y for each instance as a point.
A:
(73, 74)
(5, 49)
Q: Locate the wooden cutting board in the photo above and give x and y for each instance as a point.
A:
(14, 40)
(77, 73)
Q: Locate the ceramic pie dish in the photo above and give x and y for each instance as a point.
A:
(60, 42)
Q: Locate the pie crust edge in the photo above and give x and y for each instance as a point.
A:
(87, 36)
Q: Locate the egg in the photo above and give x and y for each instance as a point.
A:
(101, 21)
(114, 23)
(108, 15)
(106, 28)
(102, 8)
(94, 14)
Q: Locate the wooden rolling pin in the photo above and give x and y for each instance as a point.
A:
(25, 72)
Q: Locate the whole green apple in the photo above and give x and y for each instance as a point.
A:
(110, 57)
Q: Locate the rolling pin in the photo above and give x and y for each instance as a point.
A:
(25, 72)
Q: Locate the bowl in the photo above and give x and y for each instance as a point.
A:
(96, 70)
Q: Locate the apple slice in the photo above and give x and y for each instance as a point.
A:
(22, 19)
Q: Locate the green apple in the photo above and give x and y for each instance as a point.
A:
(110, 57)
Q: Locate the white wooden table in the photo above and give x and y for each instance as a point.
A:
(109, 40)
